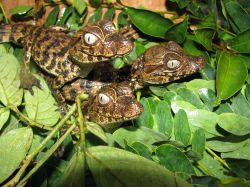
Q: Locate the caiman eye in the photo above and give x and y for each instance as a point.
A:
(90, 38)
(103, 99)
(173, 64)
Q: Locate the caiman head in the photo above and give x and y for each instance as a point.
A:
(113, 103)
(164, 63)
(99, 42)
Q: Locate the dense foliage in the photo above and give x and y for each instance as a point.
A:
(195, 129)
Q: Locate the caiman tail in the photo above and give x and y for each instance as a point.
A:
(14, 33)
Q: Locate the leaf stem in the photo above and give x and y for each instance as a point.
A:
(28, 120)
(223, 162)
(4, 14)
(138, 95)
(225, 30)
(32, 155)
(204, 168)
(46, 156)
(80, 120)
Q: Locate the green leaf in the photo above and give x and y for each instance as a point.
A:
(13, 148)
(227, 144)
(231, 75)
(191, 97)
(197, 85)
(10, 94)
(241, 153)
(238, 15)
(21, 10)
(208, 22)
(41, 107)
(141, 149)
(240, 43)
(52, 17)
(122, 19)
(142, 134)
(204, 37)
(4, 116)
(235, 124)
(97, 131)
(163, 118)
(181, 128)
(199, 142)
(79, 5)
(149, 22)
(158, 90)
(198, 117)
(173, 159)
(241, 106)
(74, 174)
(115, 167)
(62, 20)
(110, 14)
(178, 31)
(146, 118)
(96, 16)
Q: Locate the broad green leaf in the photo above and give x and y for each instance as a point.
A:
(204, 37)
(79, 5)
(110, 14)
(198, 142)
(21, 10)
(96, 16)
(181, 3)
(247, 92)
(208, 97)
(198, 117)
(241, 43)
(173, 159)
(182, 130)
(178, 31)
(4, 116)
(214, 167)
(241, 106)
(227, 144)
(141, 149)
(11, 124)
(238, 15)
(241, 153)
(158, 90)
(97, 131)
(198, 84)
(148, 22)
(191, 97)
(41, 107)
(52, 17)
(10, 94)
(115, 167)
(163, 118)
(170, 96)
(13, 148)
(146, 118)
(62, 20)
(208, 22)
(231, 75)
(122, 19)
(74, 174)
(235, 124)
(133, 134)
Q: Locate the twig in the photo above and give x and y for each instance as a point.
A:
(4, 14)
(28, 120)
(46, 156)
(223, 162)
(32, 155)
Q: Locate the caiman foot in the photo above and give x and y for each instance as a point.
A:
(28, 81)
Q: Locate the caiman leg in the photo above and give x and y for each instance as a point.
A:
(27, 79)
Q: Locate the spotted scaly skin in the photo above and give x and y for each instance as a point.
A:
(62, 55)
(114, 103)
(159, 64)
